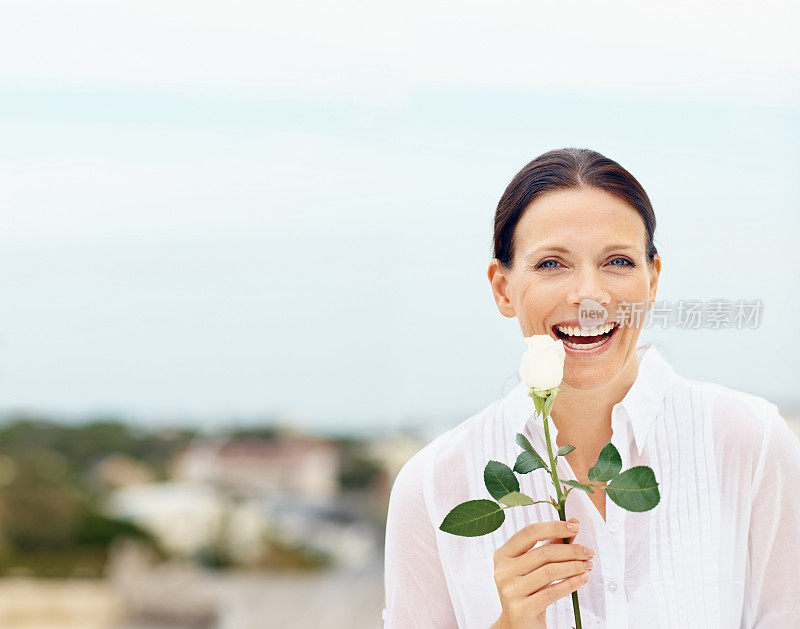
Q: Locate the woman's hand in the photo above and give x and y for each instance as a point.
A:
(524, 577)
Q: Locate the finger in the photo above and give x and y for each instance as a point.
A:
(527, 537)
(548, 553)
(550, 594)
(560, 540)
(547, 574)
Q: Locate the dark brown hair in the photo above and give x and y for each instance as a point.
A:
(567, 169)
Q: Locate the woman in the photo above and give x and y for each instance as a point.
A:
(721, 549)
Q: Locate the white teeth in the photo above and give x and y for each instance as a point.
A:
(600, 329)
(586, 346)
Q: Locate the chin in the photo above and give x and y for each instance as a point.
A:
(584, 384)
(588, 377)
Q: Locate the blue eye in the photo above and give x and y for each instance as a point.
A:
(542, 264)
(629, 263)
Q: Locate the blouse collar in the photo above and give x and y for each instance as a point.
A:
(640, 405)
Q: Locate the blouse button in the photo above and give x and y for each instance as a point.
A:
(612, 585)
(613, 526)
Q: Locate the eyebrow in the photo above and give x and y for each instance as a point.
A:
(560, 249)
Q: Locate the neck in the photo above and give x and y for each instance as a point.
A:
(583, 416)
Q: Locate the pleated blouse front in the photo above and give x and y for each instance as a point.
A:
(720, 550)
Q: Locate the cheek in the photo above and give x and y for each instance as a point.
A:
(540, 298)
(632, 289)
(539, 307)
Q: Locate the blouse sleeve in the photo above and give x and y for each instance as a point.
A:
(416, 590)
(771, 594)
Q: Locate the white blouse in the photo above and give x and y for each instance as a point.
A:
(721, 549)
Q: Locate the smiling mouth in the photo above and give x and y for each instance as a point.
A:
(582, 342)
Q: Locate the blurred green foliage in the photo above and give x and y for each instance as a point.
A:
(82, 445)
(358, 472)
(51, 523)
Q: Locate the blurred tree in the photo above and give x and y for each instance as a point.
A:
(358, 469)
(49, 522)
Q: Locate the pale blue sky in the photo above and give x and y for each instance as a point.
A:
(288, 240)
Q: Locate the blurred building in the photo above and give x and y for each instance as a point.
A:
(243, 495)
(303, 468)
(185, 517)
(347, 539)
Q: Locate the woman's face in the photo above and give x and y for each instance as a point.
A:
(571, 245)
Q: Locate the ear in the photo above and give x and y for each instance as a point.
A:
(655, 272)
(499, 281)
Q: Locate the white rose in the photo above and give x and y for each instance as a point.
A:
(542, 365)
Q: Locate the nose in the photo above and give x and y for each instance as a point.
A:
(588, 283)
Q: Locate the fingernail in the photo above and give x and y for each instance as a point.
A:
(590, 552)
(573, 526)
(589, 565)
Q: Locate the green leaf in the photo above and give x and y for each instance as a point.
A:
(565, 450)
(499, 479)
(522, 442)
(527, 462)
(473, 518)
(516, 499)
(635, 489)
(577, 485)
(608, 464)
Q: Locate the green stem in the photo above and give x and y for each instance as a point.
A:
(561, 511)
(553, 473)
